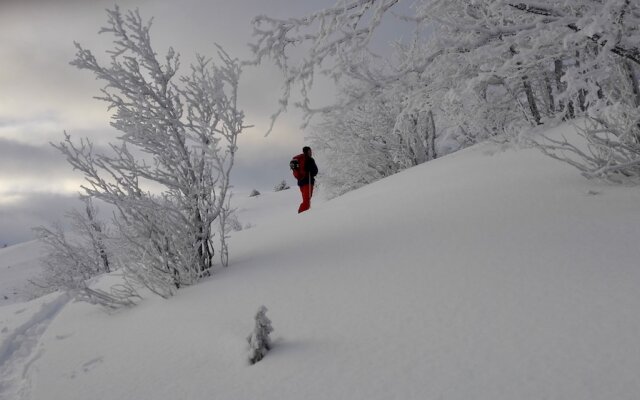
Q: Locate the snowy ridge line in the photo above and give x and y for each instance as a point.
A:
(17, 350)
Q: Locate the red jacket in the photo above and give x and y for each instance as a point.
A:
(307, 171)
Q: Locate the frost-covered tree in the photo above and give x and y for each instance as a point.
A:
(168, 173)
(483, 68)
(357, 144)
(86, 251)
(596, 53)
(382, 130)
(259, 341)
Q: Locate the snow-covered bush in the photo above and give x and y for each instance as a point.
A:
(73, 258)
(259, 341)
(281, 186)
(168, 171)
(254, 193)
(234, 223)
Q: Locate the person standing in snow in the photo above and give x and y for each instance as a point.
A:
(304, 170)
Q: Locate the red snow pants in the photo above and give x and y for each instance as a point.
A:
(307, 192)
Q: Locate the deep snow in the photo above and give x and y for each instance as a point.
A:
(487, 274)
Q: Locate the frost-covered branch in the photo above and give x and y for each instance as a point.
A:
(631, 53)
(336, 36)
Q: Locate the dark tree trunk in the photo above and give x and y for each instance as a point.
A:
(411, 143)
(431, 136)
(552, 101)
(632, 77)
(528, 90)
(99, 243)
(203, 249)
(633, 81)
(531, 99)
(562, 87)
(582, 94)
(558, 72)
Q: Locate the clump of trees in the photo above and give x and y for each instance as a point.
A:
(167, 174)
(473, 70)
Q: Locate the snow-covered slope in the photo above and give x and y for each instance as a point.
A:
(269, 207)
(18, 264)
(486, 274)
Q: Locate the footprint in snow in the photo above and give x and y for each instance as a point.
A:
(91, 364)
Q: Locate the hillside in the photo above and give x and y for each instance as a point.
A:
(488, 274)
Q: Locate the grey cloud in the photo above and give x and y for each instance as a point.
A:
(20, 158)
(38, 160)
(262, 174)
(34, 209)
(264, 164)
(18, 219)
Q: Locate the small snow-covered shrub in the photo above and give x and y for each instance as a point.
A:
(234, 223)
(254, 193)
(259, 342)
(73, 258)
(281, 186)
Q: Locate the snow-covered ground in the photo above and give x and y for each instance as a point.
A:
(18, 264)
(487, 274)
(269, 207)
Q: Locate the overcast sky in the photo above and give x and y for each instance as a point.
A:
(41, 95)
